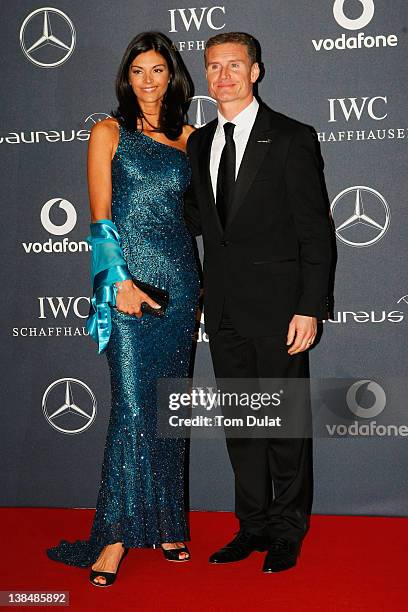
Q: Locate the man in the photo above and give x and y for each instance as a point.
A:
(256, 198)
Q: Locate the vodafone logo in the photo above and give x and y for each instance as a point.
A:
(366, 400)
(347, 22)
(58, 217)
(353, 24)
(71, 217)
(376, 407)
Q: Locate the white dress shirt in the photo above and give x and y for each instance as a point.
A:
(244, 122)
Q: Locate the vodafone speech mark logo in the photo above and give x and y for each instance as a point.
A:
(67, 226)
(376, 407)
(354, 24)
(64, 226)
(348, 22)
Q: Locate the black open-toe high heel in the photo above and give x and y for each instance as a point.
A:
(173, 554)
(110, 577)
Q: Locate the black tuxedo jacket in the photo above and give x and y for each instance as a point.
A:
(273, 258)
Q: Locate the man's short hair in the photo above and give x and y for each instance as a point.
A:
(234, 37)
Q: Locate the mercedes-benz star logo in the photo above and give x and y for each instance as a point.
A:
(363, 217)
(206, 110)
(55, 44)
(65, 413)
(379, 399)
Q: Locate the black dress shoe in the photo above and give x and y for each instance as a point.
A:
(282, 555)
(240, 548)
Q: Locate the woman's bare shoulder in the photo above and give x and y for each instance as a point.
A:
(107, 128)
(188, 129)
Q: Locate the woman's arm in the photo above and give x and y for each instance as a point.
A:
(103, 142)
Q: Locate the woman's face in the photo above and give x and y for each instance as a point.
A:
(149, 77)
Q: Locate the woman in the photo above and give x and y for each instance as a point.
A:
(137, 173)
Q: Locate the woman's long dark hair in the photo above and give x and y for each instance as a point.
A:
(176, 100)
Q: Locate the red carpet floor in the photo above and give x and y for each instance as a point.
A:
(347, 563)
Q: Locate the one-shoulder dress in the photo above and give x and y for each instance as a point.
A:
(141, 496)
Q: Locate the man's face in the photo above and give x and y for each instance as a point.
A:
(230, 74)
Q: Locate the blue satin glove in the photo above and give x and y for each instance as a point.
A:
(107, 267)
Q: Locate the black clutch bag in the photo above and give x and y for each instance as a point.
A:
(160, 296)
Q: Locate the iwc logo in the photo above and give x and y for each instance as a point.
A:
(59, 318)
(47, 37)
(360, 119)
(185, 18)
(361, 215)
(356, 108)
(69, 405)
(354, 22)
(189, 20)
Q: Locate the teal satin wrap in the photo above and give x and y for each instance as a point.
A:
(107, 267)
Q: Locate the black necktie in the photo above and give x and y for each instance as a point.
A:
(226, 174)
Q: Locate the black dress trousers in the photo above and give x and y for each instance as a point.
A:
(273, 476)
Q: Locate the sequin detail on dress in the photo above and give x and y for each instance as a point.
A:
(141, 496)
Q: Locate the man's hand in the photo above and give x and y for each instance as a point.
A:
(301, 333)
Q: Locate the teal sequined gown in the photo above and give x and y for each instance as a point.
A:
(141, 496)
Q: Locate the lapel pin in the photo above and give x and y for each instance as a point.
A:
(268, 140)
